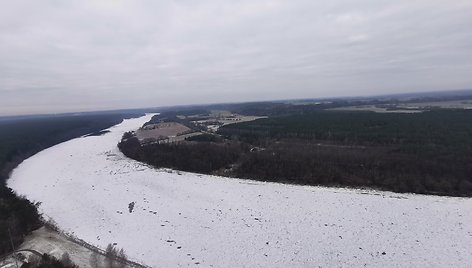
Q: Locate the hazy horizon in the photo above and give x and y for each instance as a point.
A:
(59, 57)
(449, 93)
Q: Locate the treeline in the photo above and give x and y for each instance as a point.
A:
(21, 138)
(252, 109)
(450, 128)
(18, 217)
(279, 108)
(48, 261)
(185, 156)
(429, 153)
(374, 167)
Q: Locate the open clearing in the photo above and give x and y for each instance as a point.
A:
(454, 104)
(44, 240)
(54, 244)
(413, 107)
(162, 131)
(169, 219)
(374, 108)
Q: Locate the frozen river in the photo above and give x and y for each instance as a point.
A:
(172, 219)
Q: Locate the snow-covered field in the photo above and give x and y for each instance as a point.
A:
(182, 219)
(54, 244)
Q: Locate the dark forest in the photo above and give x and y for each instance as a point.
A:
(426, 153)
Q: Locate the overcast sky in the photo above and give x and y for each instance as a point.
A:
(61, 56)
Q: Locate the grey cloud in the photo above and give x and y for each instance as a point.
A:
(89, 55)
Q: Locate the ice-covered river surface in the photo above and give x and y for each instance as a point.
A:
(182, 219)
